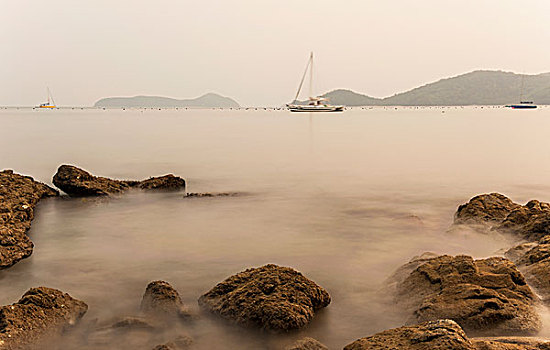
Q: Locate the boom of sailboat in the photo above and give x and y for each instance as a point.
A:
(315, 104)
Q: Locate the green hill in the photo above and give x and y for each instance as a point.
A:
(475, 88)
(210, 100)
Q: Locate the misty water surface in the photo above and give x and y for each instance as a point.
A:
(344, 198)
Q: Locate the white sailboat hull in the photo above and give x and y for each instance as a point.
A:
(309, 108)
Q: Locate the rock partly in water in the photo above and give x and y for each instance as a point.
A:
(18, 196)
(161, 300)
(80, 183)
(433, 335)
(307, 343)
(182, 342)
(40, 314)
(270, 297)
(498, 213)
(533, 260)
(486, 297)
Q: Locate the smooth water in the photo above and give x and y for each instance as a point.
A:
(344, 198)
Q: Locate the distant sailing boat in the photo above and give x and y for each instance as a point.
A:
(50, 103)
(522, 104)
(316, 104)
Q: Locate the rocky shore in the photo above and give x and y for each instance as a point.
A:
(449, 301)
(19, 195)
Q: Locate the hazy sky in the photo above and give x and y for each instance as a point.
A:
(255, 50)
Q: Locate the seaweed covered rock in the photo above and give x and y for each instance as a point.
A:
(162, 300)
(80, 183)
(270, 297)
(307, 343)
(433, 335)
(487, 296)
(498, 213)
(18, 197)
(40, 314)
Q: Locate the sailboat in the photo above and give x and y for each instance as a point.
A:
(315, 104)
(50, 103)
(522, 104)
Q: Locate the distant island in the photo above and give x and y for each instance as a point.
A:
(481, 87)
(210, 100)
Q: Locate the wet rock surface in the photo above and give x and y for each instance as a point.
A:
(161, 300)
(533, 260)
(433, 335)
(40, 314)
(498, 213)
(511, 343)
(182, 342)
(487, 296)
(307, 343)
(18, 197)
(270, 297)
(77, 182)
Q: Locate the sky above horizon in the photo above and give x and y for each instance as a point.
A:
(256, 51)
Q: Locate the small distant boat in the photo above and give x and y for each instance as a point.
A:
(315, 104)
(522, 104)
(50, 103)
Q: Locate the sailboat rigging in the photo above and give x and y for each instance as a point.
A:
(522, 104)
(50, 103)
(315, 104)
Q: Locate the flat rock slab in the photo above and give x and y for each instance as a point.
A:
(497, 212)
(433, 335)
(485, 297)
(40, 314)
(18, 197)
(270, 297)
(77, 182)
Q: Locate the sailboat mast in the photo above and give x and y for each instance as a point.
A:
(521, 89)
(48, 93)
(311, 75)
(303, 78)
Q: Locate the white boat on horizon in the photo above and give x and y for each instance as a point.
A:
(50, 103)
(315, 104)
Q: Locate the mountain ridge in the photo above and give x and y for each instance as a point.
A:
(479, 87)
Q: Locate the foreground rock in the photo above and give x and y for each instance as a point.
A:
(80, 183)
(271, 297)
(485, 297)
(511, 343)
(497, 212)
(307, 343)
(434, 335)
(533, 259)
(40, 314)
(161, 300)
(180, 343)
(18, 196)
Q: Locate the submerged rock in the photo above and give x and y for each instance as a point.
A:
(162, 300)
(40, 314)
(180, 343)
(18, 197)
(271, 297)
(434, 335)
(498, 213)
(487, 296)
(307, 343)
(80, 183)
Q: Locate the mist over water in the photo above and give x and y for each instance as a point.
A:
(344, 198)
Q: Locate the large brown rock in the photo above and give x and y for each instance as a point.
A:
(18, 197)
(433, 335)
(40, 314)
(80, 183)
(271, 297)
(161, 300)
(498, 213)
(307, 343)
(511, 343)
(488, 296)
